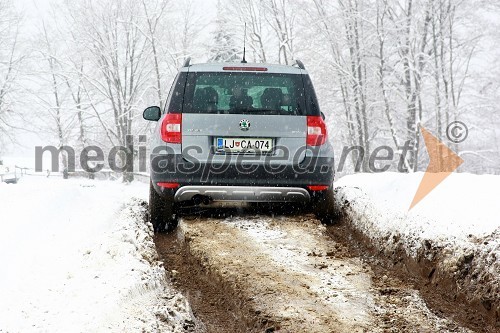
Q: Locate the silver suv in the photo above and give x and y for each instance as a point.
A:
(239, 132)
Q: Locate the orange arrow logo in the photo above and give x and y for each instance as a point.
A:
(442, 162)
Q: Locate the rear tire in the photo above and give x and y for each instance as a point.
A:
(324, 207)
(162, 212)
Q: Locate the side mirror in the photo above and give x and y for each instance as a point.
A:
(153, 113)
(323, 115)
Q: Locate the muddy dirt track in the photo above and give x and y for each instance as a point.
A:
(245, 270)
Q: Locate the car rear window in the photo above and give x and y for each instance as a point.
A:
(245, 93)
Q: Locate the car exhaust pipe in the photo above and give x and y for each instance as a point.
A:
(207, 200)
(201, 199)
(197, 200)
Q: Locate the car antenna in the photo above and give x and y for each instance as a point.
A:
(244, 42)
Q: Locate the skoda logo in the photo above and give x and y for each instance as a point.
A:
(244, 125)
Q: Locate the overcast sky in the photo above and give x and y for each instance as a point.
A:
(35, 8)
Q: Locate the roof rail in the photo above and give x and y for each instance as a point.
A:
(299, 64)
(187, 62)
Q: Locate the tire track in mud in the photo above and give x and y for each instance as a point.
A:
(409, 273)
(256, 272)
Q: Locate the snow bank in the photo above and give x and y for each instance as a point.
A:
(454, 231)
(76, 255)
(463, 205)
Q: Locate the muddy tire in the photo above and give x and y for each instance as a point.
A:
(324, 208)
(162, 211)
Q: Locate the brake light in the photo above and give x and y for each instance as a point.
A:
(249, 69)
(168, 185)
(317, 187)
(171, 128)
(316, 131)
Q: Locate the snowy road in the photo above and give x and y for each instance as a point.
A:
(289, 273)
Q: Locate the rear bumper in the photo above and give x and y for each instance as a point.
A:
(243, 193)
(173, 168)
(240, 182)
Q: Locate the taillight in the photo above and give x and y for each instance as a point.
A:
(168, 185)
(316, 131)
(318, 187)
(171, 128)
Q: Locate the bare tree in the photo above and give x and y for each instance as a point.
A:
(75, 84)
(252, 13)
(49, 94)
(118, 49)
(282, 19)
(382, 9)
(347, 56)
(223, 47)
(154, 13)
(412, 27)
(10, 63)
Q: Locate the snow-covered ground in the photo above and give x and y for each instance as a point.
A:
(457, 226)
(76, 256)
(463, 205)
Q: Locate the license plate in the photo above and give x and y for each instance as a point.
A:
(239, 145)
